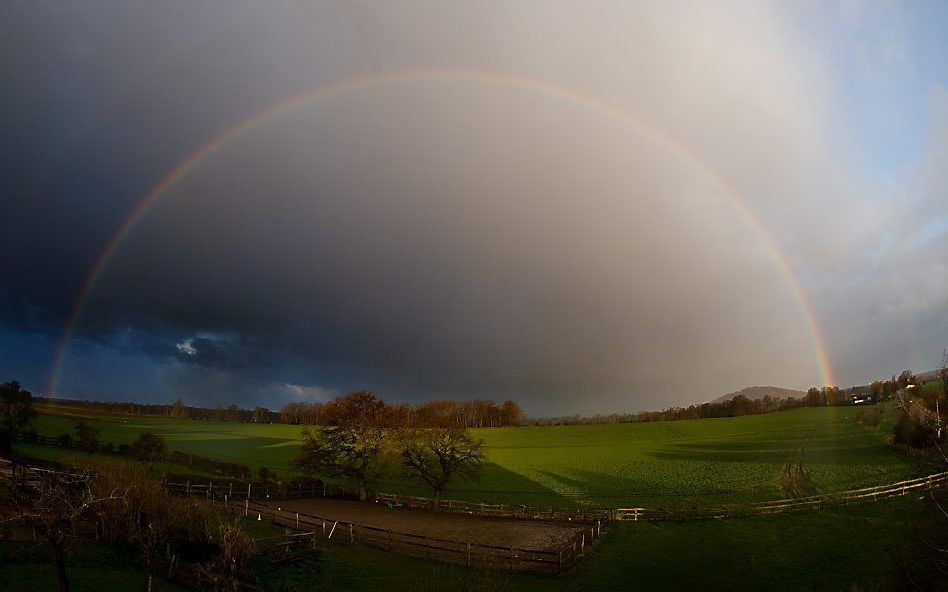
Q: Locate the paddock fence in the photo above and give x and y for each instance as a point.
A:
(315, 528)
(813, 502)
(577, 514)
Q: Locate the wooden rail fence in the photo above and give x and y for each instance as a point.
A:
(590, 515)
(813, 502)
(554, 560)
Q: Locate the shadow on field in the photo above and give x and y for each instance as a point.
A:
(495, 485)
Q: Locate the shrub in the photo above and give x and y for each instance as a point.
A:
(149, 448)
(908, 431)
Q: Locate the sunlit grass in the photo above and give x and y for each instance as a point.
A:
(654, 464)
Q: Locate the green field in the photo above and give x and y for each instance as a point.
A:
(861, 547)
(705, 462)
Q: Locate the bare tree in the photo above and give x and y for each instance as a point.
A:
(351, 445)
(54, 504)
(437, 455)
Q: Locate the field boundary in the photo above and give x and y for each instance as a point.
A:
(812, 502)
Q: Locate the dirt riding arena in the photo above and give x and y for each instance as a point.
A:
(522, 534)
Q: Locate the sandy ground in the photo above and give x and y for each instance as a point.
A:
(524, 534)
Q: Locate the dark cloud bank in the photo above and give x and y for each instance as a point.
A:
(429, 239)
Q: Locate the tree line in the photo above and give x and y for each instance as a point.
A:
(439, 413)
(477, 413)
(740, 405)
(178, 409)
(360, 436)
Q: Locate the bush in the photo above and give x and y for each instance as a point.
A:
(64, 440)
(909, 432)
(149, 448)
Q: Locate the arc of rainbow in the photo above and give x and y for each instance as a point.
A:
(218, 142)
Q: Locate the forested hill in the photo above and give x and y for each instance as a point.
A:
(759, 392)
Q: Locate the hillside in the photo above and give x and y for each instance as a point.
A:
(759, 392)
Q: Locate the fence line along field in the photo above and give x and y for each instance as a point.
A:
(704, 462)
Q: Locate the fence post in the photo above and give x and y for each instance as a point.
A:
(187, 487)
(559, 565)
(598, 528)
(469, 553)
(324, 528)
(225, 501)
(582, 543)
(297, 520)
(246, 507)
(351, 537)
(248, 490)
(230, 490)
(210, 490)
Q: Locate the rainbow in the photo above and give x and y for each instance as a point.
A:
(223, 139)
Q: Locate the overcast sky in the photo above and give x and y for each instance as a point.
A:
(583, 206)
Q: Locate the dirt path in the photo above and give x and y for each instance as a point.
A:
(523, 534)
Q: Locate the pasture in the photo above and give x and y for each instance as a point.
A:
(701, 462)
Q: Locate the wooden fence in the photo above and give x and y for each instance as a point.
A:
(813, 502)
(588, 515)
(580, 514)
(315, 527)
(255, 490)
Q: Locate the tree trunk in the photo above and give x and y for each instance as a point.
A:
(436, 501)
(59, 555)
(362, 494)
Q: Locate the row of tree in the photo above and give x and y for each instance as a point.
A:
(440, 413)
(827, 396)
(179, 409)
(735, 407)
(478, 413)
(358, 437)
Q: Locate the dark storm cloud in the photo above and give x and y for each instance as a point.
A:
(433, 238)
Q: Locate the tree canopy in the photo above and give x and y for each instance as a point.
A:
(16, 412)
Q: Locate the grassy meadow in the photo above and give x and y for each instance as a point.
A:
(703, 462)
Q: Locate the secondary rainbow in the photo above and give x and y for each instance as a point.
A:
(218, 142)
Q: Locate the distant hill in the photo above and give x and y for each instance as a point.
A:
(759, 392)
